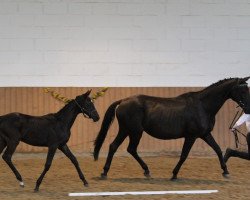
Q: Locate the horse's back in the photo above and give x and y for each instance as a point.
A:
(9, 118)
(32, 130)
(163, 118)
(9, 126)
(156, 115)
(20, 119)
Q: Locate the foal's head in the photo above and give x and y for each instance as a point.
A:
(86, 106)
(240, 94)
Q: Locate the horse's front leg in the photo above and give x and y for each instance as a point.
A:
(50, 156)
(234, 153)
(212, 143)
(65, 149)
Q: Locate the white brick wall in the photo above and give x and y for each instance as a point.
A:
(123, 42)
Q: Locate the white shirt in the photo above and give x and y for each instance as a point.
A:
(244, 118)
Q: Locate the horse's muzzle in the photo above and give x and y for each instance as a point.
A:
(95, 116)
(246, 110)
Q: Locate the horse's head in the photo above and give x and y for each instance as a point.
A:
(240, 94)
(86, 105)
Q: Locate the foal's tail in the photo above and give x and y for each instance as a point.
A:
(107, 121)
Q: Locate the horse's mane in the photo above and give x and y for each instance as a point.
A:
(219, 83)
(213, 85)
(62, 111)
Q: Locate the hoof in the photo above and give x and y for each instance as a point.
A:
(147, 175)
(86, 184)
(104, 176)
(21, 184)
(174, 178)
(226, 175)
(36, 190)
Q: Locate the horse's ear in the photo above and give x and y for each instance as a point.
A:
(244, 80)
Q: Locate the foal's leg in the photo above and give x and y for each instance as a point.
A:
(234, 153)
(50, 156)
(112, 149)
(65, 149)
(188, 143)
(7, 155)
(134, 140)
(212, 143)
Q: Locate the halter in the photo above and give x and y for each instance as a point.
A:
(236, 117)
(241, 104)
(84, 111)
(235, 130)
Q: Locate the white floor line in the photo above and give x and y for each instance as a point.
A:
(142, 193)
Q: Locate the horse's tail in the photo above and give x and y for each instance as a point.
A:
(107, 121)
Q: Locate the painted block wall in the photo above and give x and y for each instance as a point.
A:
(129, 43)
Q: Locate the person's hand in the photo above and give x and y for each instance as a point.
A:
(232, 129)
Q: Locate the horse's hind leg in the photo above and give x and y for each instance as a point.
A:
(188, 143)
(7, 155)
(122, 134)
(50, 156)
(134, 140)
(65, 149)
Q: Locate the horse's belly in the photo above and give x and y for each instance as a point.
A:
(165, 123)
(165, 136)
(35, 142)
(165, 133)
(34, 139)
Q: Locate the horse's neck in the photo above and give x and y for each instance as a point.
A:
(214, 98)
(68, 114)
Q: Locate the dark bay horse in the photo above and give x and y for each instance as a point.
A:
(51, 130)
(190, 115)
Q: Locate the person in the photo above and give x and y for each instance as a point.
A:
(245, 118)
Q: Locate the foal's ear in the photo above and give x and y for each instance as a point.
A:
(87, 93)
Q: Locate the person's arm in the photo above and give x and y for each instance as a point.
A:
(241, 120)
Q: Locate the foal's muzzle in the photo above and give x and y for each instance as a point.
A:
(95, 116)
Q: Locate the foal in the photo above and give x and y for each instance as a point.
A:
(51, 130)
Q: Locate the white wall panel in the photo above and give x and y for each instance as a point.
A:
(123, 42)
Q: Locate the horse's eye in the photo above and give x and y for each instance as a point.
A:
(244, 91)
(88, 102)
